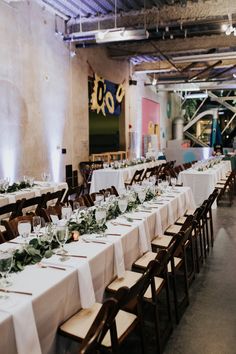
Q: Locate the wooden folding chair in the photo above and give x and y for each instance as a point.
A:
(137, 177)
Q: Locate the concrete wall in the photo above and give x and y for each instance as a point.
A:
(44, 94)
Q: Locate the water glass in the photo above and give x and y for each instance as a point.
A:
(50, 229)
(142, 195)
(36, 222)
(66, 213)
(62, 235)
(122, 203)
(100, 216)
(24, 228)
(6, 261)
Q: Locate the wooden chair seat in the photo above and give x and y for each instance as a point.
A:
(143, 261)
(129, 279)
(181, 220)
(162, 241)
(190, 212)
(173, 229)
(78, 325)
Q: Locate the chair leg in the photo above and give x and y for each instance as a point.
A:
(211, 228)
(141, 325)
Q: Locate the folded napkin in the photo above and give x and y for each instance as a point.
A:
(26, 335)
(158, 224)
(118, 252)
(190, 203)
(180, 205)
(119, 257)
(171, 218)
(144, 237)
(87, 295)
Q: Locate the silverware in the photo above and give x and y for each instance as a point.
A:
(121, 224)
(15, 292)
(15, 243)
(143, 211)
(112, 234)
(50, 266)
(95, 241)
(70, 255)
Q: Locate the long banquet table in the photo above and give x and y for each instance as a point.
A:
(107, 177)
(29, 324)
(203, 183)
(38, 189)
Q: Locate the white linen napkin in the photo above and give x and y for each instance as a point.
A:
(118, 251)
(190, 203)
(158, 224)
(144, 245)
(87, 295)
(26, 335)
(171, 218)
(180, 205)
(119, 257)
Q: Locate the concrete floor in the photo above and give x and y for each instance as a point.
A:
(208, 325)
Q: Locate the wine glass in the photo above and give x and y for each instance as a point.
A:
(36, 221)
(122, 203)
(62, 234)
(49, 232)
(100, 216)
(6, 260)
(142, 195)
(24, 229)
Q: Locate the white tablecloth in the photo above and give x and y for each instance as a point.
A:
(56, 293)
(203, 183)
(107, 177)
(38, 189)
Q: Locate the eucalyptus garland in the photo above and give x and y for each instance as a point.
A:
(39, 248)
(87, 224)
(124, 164)
(16, 187)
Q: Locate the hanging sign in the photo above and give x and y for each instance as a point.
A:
(106, 96)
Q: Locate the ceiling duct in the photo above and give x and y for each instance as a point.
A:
(118, 35)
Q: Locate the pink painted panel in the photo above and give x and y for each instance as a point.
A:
(150, 118)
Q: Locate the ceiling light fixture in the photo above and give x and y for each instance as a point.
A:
(121, 34)
(196, 95)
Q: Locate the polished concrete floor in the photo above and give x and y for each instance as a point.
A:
(208, 325)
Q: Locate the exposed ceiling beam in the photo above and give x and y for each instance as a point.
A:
(177, 46)
(194, 77)
(162, 66)
(162, 15)
(222, 102)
